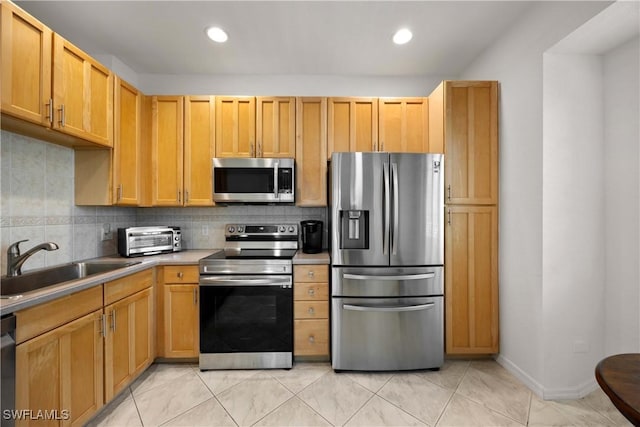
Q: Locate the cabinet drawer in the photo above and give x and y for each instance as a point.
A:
(311, 273)
(181, 274)
(117, 289)
(36, 320)
(310, 291)
(311, 337)
(311, 310)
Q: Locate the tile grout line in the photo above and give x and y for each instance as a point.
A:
(216, 397)
(136, 406)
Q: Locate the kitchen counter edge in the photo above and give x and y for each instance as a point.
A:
(189, 257)
(302, 258)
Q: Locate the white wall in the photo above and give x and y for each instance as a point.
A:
(516, 61)
(573, 233)
(622, 197)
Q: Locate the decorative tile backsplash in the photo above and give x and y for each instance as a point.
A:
(36, 203)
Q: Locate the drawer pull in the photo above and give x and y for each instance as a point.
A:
(311, 273)
(312, 292)
(312, 339)
(180, 274)
(311, 311)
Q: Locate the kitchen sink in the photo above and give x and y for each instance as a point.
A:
(31, 281)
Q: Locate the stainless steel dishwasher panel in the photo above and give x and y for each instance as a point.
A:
(387, 334)
(8, 364)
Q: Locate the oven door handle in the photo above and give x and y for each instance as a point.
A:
(245, 281)
(391, 309)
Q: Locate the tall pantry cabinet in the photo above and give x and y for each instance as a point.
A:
(463, 119)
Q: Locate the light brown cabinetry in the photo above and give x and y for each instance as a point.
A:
(130, 330)
(311, 151)
(199, 149)
(26, 65)
(178, 321)
(235, 126)
(275, 126)
(48, 81)
(311, 310)
(59, 357)
(464, 120)
(404, 125)
(167, 116)
(352, 124)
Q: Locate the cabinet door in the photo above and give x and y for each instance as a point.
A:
(63, 370)
(403, 125)
(275, 127)
(166, 150)
(26, 65)
(199, 149)
(82, 94)
(182, 338)
(311, 152)
(128, 340)
(352, 125)
(471, 280)
(471, 142)
(127, 144)
(235, 126)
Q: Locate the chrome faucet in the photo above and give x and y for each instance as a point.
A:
(15, 259)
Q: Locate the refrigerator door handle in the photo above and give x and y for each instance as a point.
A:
(392, 309)
(394, 278)
(387, 208)
(396, 211)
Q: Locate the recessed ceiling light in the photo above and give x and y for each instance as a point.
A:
(402, 36)
(217, 34)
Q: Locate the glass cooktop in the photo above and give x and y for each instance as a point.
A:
(252, 254)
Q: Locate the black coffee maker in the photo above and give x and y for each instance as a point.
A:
(311, 236)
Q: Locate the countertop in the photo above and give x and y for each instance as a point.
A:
(189, 257)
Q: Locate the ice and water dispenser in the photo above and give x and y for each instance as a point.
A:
(354, 229)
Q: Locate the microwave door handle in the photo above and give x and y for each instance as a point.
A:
(275, 180)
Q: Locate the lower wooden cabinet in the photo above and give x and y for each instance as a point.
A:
(311, 310)
(129, 339)
(471, 280)
(61, 371)
(178, 316)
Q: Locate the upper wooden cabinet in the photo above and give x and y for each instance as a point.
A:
(275, 127)
(26, 65)
(352, 124)
(53, 83)
(199, 149)
(127, 161)
(464, 121)
(404, 125)
(235, 126)
(167, 115)
(311, 151)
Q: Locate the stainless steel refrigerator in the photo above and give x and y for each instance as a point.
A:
(387, 256)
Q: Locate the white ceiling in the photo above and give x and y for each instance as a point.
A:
(283, 37)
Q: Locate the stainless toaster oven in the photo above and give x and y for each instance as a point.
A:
(138, 241)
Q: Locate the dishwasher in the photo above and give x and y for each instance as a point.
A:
(8, 363)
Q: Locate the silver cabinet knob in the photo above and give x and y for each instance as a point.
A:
(311, 311)
(180, 274)
(312, 292)
(311, 273)
(312, 339)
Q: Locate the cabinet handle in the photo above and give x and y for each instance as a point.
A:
(50, 110)
(186, 196)
(259, 149)
(103, 325)
(180, 274)
(449, 192)
(381, 145)
(312, 292)
(195, 296)
(251, 149)
(119, 196)
(311, 273)
(179, 196)
(312, 339)
(449, 216)
(62, 121)
(113, 320)
(311, 311)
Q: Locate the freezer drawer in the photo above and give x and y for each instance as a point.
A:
(387, 334)
(391, 282)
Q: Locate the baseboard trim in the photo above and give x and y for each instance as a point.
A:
(532, 384)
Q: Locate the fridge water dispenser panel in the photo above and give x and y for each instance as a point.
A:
(354, 229)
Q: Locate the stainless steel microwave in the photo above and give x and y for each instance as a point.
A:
(254, 180)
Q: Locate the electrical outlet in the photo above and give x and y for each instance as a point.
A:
(106, 232)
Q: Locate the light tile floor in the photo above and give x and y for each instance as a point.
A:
(462, 393)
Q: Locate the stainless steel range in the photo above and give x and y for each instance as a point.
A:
(246, 299)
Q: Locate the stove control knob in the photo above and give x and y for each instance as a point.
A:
(231, 229)
(240, 229)
(291, 229)
(282, 229)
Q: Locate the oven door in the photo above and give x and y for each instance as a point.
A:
(246, 321)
